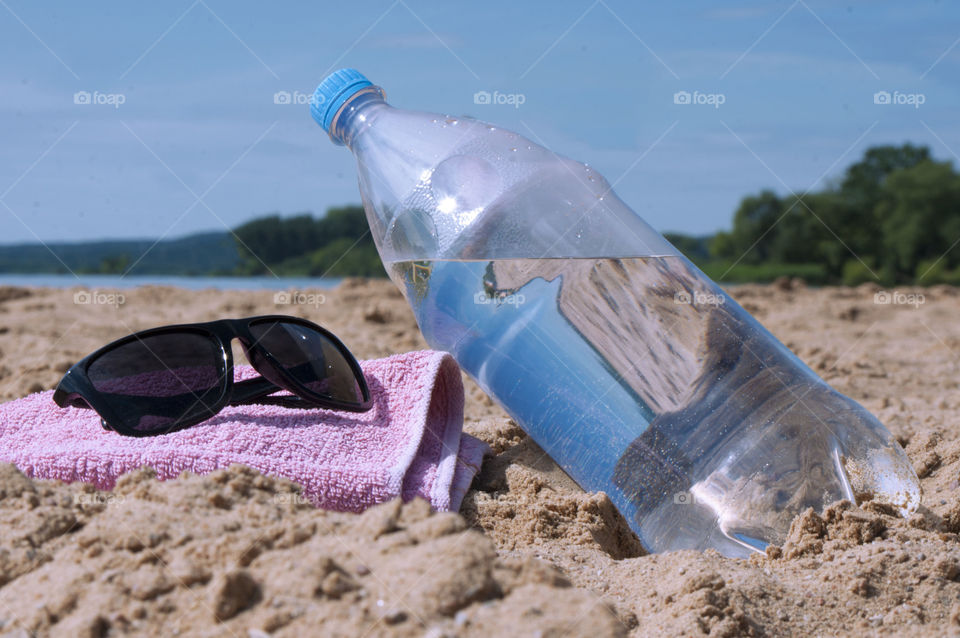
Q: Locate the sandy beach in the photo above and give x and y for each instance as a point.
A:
(235, 553)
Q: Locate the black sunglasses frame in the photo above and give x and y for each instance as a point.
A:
(76, 389)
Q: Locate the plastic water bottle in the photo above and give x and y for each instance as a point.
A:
(634, 371)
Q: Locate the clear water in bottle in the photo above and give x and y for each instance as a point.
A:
(644, 379)
(637, 374)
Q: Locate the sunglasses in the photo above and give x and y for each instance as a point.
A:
(170, 378)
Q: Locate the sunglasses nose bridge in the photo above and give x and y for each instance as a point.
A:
(254, 353)
(226, 344)
(261, 363)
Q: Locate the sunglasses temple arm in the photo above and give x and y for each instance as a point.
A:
(248, 391)
(255, 391)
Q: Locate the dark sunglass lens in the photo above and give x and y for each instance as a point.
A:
(310, 358)
(155, 381)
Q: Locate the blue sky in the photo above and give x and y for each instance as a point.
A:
(200, 144)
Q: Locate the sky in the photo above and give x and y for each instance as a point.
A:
(122, 120)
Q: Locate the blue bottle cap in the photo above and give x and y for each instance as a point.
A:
(336, 89)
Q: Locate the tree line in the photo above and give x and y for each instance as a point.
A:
(892, 217)
(335, 245)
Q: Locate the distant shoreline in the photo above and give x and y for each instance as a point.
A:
(190, 282)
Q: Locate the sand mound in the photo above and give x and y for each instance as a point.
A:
(236, 553)
(239, 554)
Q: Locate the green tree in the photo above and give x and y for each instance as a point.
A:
(863, 181)
(344, 222)
(754, 225)
(798, 236)
(114, 264)
(337, 244)
(862, 219)
(853, 214)
(919, 215)
(721, 246)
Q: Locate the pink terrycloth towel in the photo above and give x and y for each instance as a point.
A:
(409, 444)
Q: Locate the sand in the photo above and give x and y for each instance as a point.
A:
(238, 554)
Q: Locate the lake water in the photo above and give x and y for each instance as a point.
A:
(191, 283)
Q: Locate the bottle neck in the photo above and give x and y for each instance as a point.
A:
(356, 115)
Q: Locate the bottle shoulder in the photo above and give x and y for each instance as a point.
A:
(454, 187)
